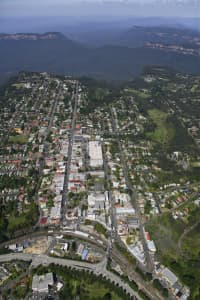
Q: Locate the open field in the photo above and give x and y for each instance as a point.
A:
(191, 242)
(164, 131)
(137, 93)
(16, 222)
(166, 233)
(98, 291)
(18, 85)
(18, 139)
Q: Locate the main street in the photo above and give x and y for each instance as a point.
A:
(69, 155)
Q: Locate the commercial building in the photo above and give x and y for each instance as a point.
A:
(95, 153)
(40, 284)
(169, 276)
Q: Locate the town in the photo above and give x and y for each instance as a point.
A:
(111, 186)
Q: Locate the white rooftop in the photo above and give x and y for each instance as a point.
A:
(95, 153)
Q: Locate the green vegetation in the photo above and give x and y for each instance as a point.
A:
(191, 242)
(76, 198)
(84, 285)
(12, 222)
(18, 85)
(129, 240)
(194, 88)
(165, 231)
(147, 207)
(99, 93)
(164, 132)
(143, 295)
(126, 253)
(88, 222)
(114, 148)
(101, 292)
(183, 258)
(100, 229)
(24, 220)
(19, 292)
(139, 94)
(158, 286)
(16, 222)
(14, 182)
(18, 139)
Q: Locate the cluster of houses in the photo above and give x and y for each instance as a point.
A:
(144, 169)
(24, 119)
(55, 159)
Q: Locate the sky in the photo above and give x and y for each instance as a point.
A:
(19, 8)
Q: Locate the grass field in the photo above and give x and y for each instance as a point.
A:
(100, 93)
(18, 85)
(16, 222)
(165, 231)
(191, 242)
(18, 139)
(164, 131)
(137, 93)
(194, 88)
(96, 290)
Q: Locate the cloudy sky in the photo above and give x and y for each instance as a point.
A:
(190, 8)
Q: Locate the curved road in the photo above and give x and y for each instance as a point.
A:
(97, 269)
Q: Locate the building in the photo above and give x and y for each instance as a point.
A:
(80, 249)
(169, 276)
(84, 254)
(125, 211)
(151, 246)
(95, 153)
(40, 284)
(96, 201)
(55, 213)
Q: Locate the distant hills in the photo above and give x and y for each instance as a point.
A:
(140, 36)
(31, 36)
(125, 56)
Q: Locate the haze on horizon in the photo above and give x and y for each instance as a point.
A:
(78, 8)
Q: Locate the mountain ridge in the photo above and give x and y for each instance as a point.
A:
(32, 36)
(58, 54)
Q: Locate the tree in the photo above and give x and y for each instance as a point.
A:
(107, 296)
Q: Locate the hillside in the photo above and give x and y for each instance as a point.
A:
(55, 53)
(139, 36)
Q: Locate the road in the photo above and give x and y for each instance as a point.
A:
(69, 156)
(42, 159)
(113, 254)
(97, 269)
(149, 264)
(110, 195)
(129, 270)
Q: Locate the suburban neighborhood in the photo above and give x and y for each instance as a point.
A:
(112, 188)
